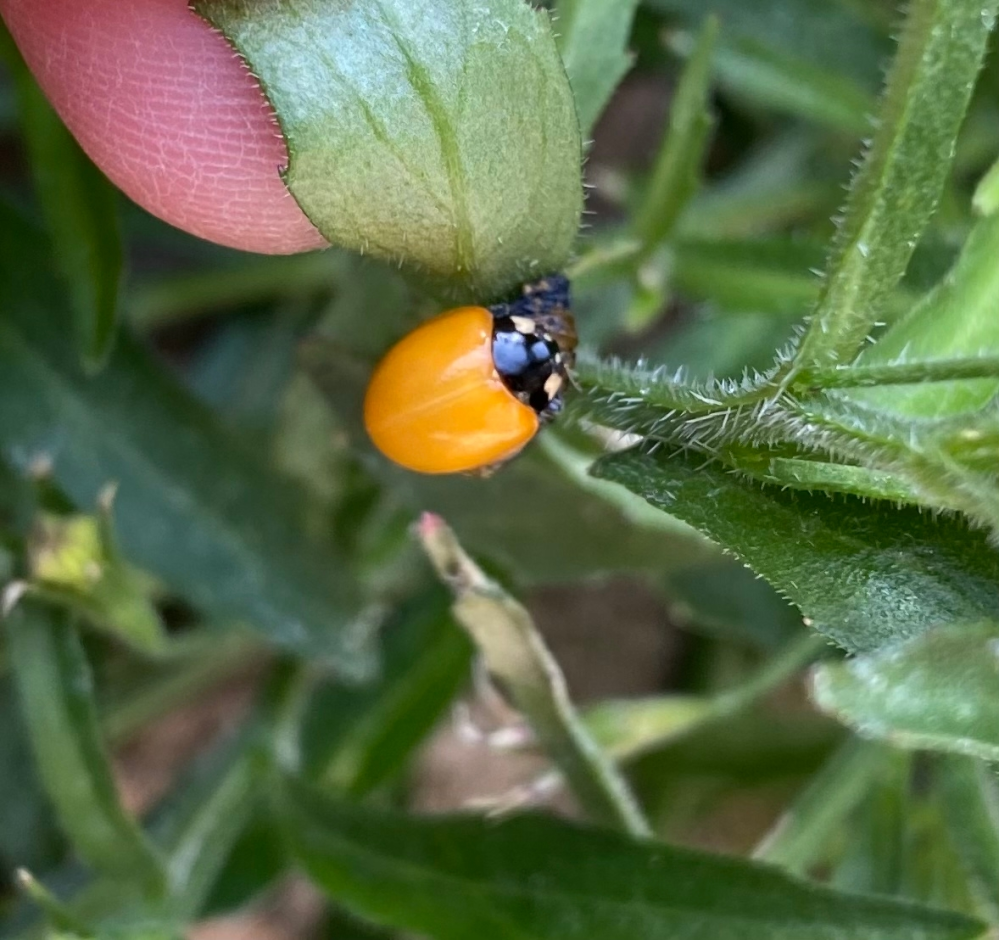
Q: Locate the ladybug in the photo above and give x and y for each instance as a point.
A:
(467, 390)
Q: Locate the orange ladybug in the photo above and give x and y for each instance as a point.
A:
(470, 388)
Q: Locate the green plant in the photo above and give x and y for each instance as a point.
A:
(165, 528)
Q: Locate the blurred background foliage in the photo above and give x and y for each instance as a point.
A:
(196, 536)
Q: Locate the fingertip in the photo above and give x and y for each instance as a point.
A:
(166, 109)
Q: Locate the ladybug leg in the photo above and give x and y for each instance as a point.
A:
(552, 411)
(484, 473)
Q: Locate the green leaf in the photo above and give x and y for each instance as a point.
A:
(133, 931)
(81, 213)
(785, 82)
(903, 173)
(29, 833)
(715, 344)
(826, 32)
(969, 800)
(935, 691)
(441, 133)
(161, 301)
(956, 319)
(537, 877)
(585, 533)
(55, 688)
(19, 506)
(57, 914)
(874, 852)
(354, 738)
(867, 575)
(256, 861)
(204, 830)
(592, 37)
(677, 169)
(765, 275)
(244, 371)
(932, 872)
(627, 728)
(811, 59)
(804, 831)
(726, 600)
(774, 186)
(195, 507)
(630, 727)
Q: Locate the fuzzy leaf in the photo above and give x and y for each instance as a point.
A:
(535, 878)
(437, 133)
(936, 691)
(725, 600)
(957, 319)
(942, 464)
(867, 575)
(592, 38)
(827, 477)
(899, 183)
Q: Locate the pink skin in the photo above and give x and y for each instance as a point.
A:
(165, 108)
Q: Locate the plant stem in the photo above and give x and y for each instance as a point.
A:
(792, 658)
(903, 173)
(517, 658)
(678, 166)
(623, 384)
(898, 373)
